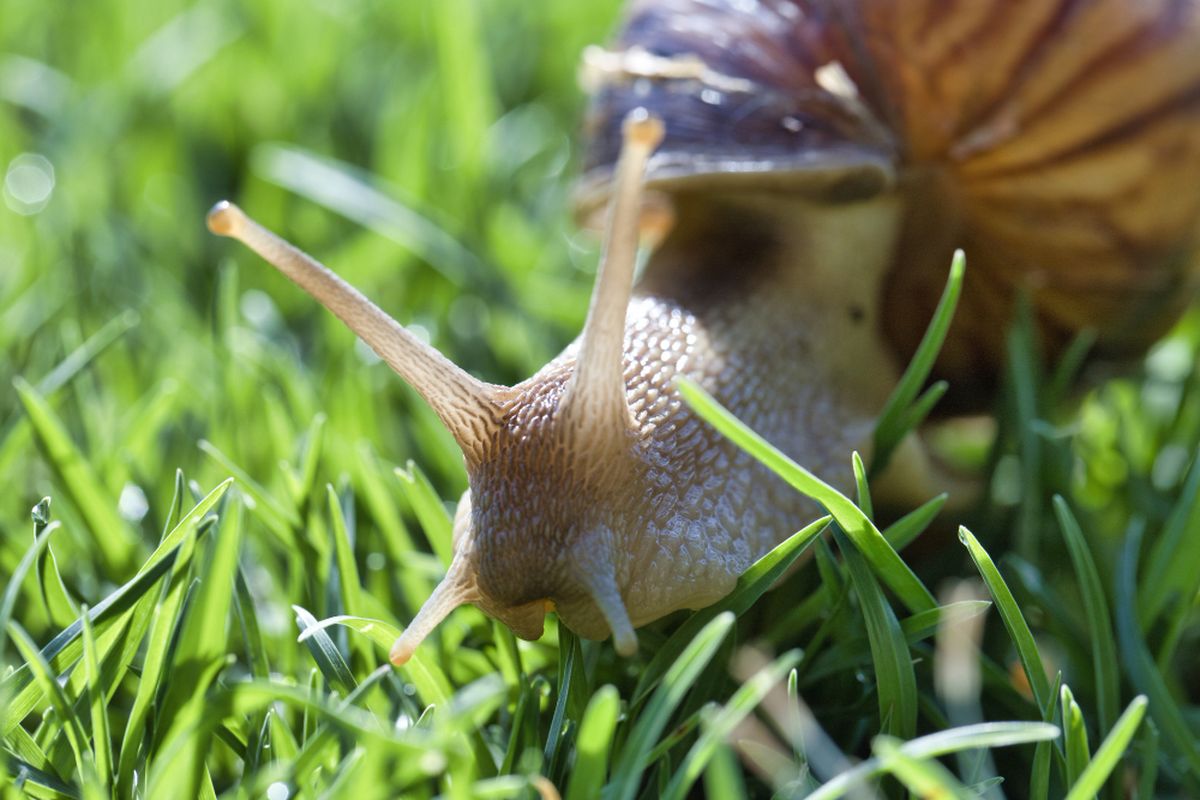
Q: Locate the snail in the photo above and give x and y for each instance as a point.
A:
(821, 161)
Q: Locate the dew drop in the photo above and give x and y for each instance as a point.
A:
(133, 504)
(28, 183)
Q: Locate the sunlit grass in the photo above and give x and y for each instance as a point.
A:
(169, 632)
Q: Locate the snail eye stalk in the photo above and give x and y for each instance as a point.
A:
(596, 391)
(466, 406)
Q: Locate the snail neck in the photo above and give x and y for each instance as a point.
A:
(768, 246)
(788, 288)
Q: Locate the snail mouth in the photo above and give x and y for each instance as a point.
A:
(527, 621)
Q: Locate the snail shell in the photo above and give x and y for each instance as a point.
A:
(1057, 142)
(821, 161)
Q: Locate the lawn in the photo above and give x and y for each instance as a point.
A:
(244, 506)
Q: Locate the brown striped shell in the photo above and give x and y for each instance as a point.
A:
(1056, 141)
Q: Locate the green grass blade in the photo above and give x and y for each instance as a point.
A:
(593, 744)
(861, 485)
(428, 678)
(504, 787)
(568, 653)
(923, 778)
(284, 746)
(1143, 672)
(302, 761)
(430, 512)
(56, 601)
(1095, 605)
(349, 584)
(935, 745)
(660, 754)
(205, 632)
(175, 509)
(344, 189)
(64, 712)
(631, 763)
(925, 624)
(1109, 753)
(97, 700)
(720, 725)
(1148, 757)
(723, 777)
(114, 541)
(1075, 738)
(207, 790)
(924, 405)
(40, 541)
(1014, 620)
(65, 648)
(524, 724)
(329, 659)
(375, 490)
(832, 579)
(464, 85)
(1024, 380)
(255, 651)
(310, 457)
(164, 623)
(178, 768)
(249, 696)
(895, 680)
(383, 634)
(750, 586)
(508, 655)
(1069, 365)
(34, 782)
(1039, 777)
(196, 661)
(892, 427)
(866, 537)
(1171, 568)
(902, 532)
(282, 519)
(79, 358)
(60, 608)
(20, 743)
(140, 425)
(186, 525)
(431, 682)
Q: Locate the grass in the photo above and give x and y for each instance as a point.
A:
(246, 506)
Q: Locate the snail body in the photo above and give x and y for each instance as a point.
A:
(673, 510)
(817, 190)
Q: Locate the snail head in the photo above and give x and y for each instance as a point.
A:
(543, 458)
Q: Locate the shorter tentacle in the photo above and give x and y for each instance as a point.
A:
(456, 589)
(602, 588)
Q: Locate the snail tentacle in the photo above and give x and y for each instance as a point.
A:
(466, 406)
(596, 391)
(456, 589)
(600, 582)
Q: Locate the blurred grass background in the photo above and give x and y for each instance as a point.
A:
(425, 151)
(451, 134)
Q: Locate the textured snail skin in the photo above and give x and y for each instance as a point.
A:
(676, 511)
